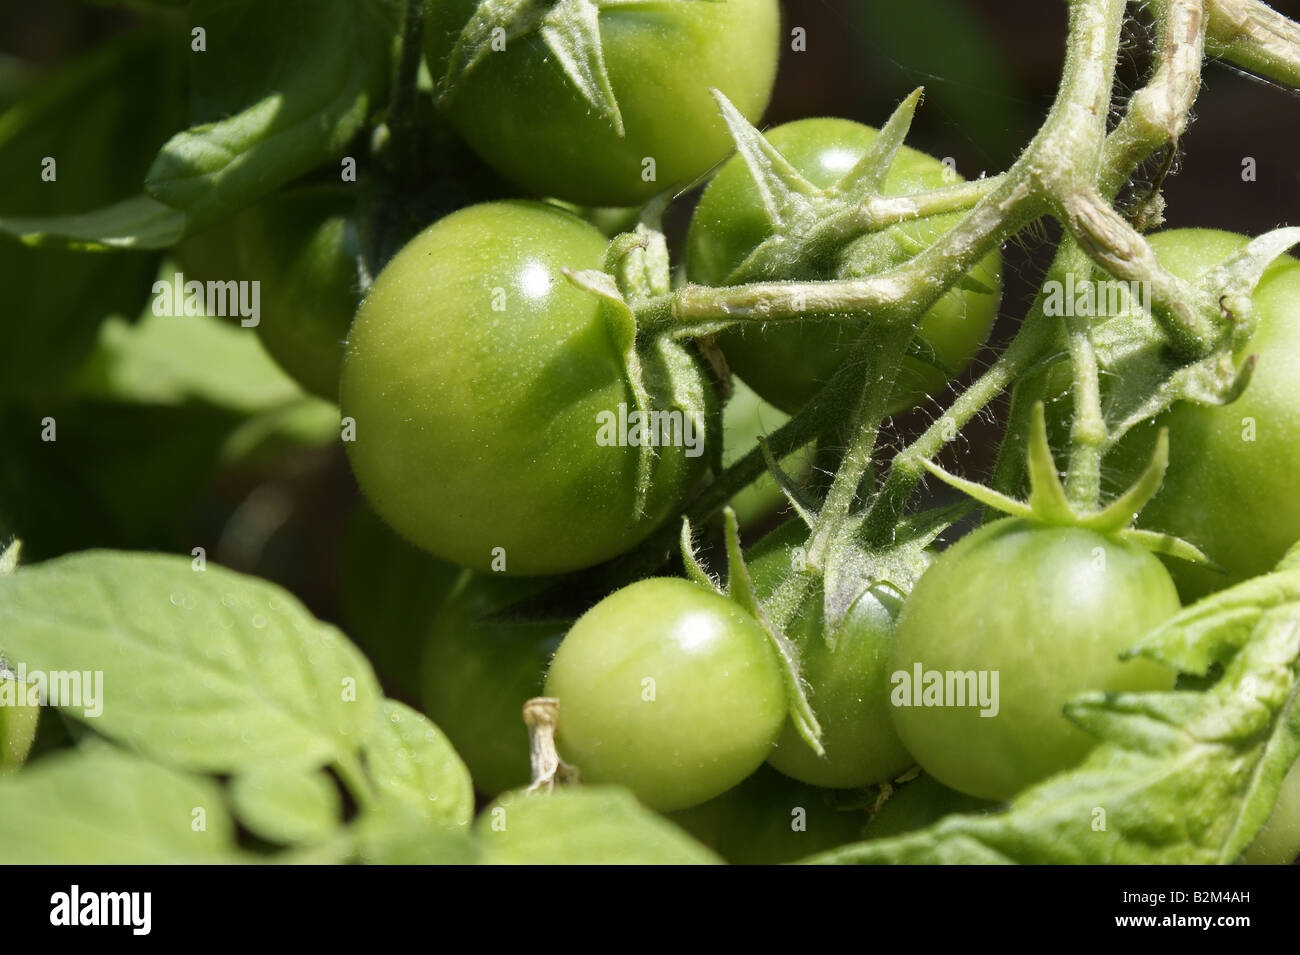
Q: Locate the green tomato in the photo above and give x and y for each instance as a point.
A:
(918, 804)
(1278, 843)
(302, 249)
(770, 819)
(669, 689)
(848, 683)
(1231, 484)
(483, 385)
(746, 418)
(480, 666)
(1033, 616)
(788, 363)
(522, 114)
(18, 721)
(389, 593)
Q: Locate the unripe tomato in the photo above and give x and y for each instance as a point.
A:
(480, 667)
(478, 379)
(848, 684)
(1231, 484)
(669, 689)
(787, 363)
(770, 819)
(520, 112)
(1278, 843)
(389, 593)
(302, 247)
(1046, 612)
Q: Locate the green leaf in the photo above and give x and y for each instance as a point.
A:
(137, 223)
(100, 120)
(206, 670)
(583, 826)
(169, 359)
(1187, 776)
(287, 807)
(274, 102)
(412, 763)
(101, 806)
(408, 838)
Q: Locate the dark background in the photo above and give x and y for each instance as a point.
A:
(990, 69)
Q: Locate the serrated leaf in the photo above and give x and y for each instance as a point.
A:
(412, 763)
(1187, 776)
(582, 826)
(101, 806)
(287, 807)
(206, 670)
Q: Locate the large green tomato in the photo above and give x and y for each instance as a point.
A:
(669, 689)
(18, 721)
(770, 819)
(1005, 627)
(1278, 843)
(788, 363)
(389, 593)
(480, 666)
(488, 394)
(1231, 484)
(521, 113)
(848, 685)
(302, 248)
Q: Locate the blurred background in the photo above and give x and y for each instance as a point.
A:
(990, 69)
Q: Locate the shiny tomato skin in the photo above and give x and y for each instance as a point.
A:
(669, 689)
(1048, 610)
(520, 112)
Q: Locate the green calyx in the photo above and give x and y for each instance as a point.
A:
(1047, 502)
(636, 269)
(808, 223)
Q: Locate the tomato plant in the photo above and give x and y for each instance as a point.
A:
(1080, 600)
(788, 364)
(1230, 488)
(668, 689)
(478, 377)
(523, 114)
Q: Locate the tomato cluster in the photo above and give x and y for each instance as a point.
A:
(499, 407)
